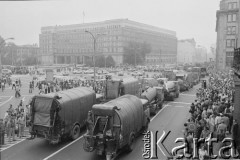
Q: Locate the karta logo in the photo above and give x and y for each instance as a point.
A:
(153, 143)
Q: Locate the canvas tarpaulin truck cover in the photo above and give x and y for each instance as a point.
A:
(42, 106)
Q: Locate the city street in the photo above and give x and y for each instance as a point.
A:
(170, 118)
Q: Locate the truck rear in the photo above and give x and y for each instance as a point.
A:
(62, 114)
(116, 125)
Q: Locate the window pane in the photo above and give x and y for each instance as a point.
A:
(233, 30)
(228, 43)
(229, 18)
(234, 17)
(233, 42)
(229, 5)
(234, 5)
(229, 30)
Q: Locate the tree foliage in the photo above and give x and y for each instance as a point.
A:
(110, 61)
(136, 52)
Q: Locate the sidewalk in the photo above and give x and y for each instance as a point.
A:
(8, 144)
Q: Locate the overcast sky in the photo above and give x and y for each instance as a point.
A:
(189, 18)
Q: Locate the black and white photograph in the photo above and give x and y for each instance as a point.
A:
(119, 79)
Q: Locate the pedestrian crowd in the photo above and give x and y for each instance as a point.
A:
(15, 121)
(60, 85)
(211, 113)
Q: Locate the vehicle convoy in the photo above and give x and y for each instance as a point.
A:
(155, 97)
(62, 114)
(117, 123)
(172, 90)
(116, 88)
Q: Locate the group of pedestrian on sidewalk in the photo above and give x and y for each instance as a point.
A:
(14, 122)
(211, 114)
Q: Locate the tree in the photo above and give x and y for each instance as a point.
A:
(135, 53)
(110, 61)
(100, 61)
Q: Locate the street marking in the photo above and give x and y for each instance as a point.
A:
(4, 96)
(181, 103)
(159, 112)
(179, 106)
(2, 149)
(6, 101)
(28, 95)
(62, 148)
(188, 94)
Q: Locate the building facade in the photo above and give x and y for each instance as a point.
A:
(201, 55)
(27, 54)
(186, 51)
(20, 55)
(227, 28)
(70, 44)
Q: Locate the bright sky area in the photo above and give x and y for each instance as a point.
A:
(189, 18)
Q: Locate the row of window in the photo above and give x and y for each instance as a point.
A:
(232, 5)
(90, 50)
(229, 54)
(231, 30)
(169, 60)
(229, 61)
(232, 17)
(230, 43)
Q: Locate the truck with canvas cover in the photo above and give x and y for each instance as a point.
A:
(116, 88)
(155, 97)
(117, 123)
(61, 114)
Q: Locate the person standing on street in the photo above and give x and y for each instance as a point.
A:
(21, 123)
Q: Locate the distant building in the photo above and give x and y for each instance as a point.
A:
(227, 33)
(20, 55)
(201, 55)
(27, 54)
(70, 44)
(186, 51)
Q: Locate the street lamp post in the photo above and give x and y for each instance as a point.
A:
(94, 54)
(4, 40)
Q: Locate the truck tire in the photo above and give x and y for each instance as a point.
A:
(131, 143)
(75, 132)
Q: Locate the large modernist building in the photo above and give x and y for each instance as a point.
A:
(70, 44)
(227, 28)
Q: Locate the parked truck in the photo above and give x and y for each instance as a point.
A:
(155, 97)
(117, 123)
(62, 114)
(119, 87)
(172, 90)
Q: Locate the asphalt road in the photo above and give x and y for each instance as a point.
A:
(7, 97)
(171, 118)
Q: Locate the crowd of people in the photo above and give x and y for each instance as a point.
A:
(15, 121)
(211, 113)
(60, 85)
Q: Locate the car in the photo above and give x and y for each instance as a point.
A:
(6, 72)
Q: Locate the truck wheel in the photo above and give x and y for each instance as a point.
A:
(75, 132)
(131, 143)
